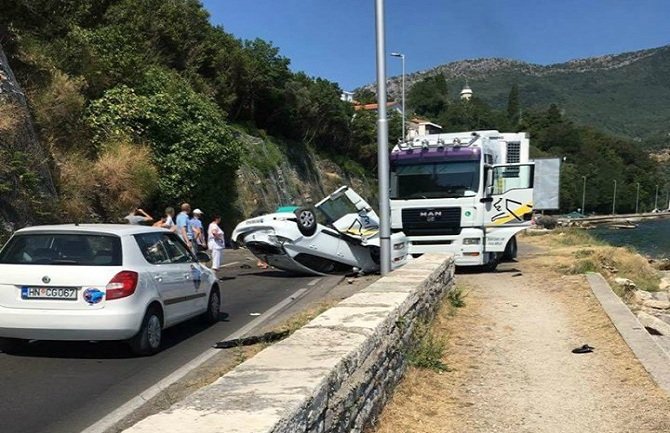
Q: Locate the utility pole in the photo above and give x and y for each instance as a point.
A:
(656, 200)
(402, 58)
(382, 144)
(584, 196)
(614, 199)
(637, 198)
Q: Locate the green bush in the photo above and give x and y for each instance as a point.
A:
(192, 145)
(428, 351)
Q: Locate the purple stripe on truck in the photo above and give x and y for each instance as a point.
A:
(435, 154)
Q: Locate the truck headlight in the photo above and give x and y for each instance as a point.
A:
(471, 241)
(399, 246)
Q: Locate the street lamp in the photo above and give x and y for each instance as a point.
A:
(402, 58)
(584, 196)
(656, 200)
(382, 145)
(614, 199)
(637, 198)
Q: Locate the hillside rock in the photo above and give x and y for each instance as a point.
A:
(27, 189)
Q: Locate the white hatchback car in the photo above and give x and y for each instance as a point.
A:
(101, 282)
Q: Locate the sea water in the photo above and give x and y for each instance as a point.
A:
(651, 237)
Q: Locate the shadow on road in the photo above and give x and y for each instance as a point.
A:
(104, 350)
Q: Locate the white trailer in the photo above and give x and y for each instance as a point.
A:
(469, 193)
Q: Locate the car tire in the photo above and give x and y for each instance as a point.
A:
(12, 345)
(306, 220)
(511, 250)
(211, 316)
(148, 340)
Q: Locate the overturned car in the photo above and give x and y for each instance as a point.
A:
(340, 235)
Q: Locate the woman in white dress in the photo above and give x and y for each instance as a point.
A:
(215, 242)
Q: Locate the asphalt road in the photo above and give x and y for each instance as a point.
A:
(63, 387)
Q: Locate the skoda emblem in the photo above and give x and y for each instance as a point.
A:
(46, 279)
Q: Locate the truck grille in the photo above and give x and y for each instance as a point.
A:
(431, 221)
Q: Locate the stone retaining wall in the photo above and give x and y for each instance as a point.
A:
(333, 375)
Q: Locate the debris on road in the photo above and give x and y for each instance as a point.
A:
(268, 337)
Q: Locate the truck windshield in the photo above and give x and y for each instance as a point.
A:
(444, 179)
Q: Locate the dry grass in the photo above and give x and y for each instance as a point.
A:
(575, 251)
(302, 318)
(11, 116)
(119, 180)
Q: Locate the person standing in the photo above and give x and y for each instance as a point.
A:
(167, 222)
(216, 242)
(198, 231)
(184, 229)
(138, 216)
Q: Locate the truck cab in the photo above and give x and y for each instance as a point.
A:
(466, 193)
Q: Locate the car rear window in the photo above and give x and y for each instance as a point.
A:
(75, 249)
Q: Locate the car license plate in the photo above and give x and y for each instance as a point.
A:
(55, 293)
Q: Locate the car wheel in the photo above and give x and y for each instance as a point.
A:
(148, 340)
(211, 316)
(511, 250)
(12, 345)
(306, 221)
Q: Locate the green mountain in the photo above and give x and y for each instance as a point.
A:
(625, 94)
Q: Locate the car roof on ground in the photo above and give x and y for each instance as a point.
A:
(116, 229)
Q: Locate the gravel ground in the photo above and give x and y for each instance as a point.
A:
(512, 370)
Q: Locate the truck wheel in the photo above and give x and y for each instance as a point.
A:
(510, 250)
(306, 221)
(492, 265)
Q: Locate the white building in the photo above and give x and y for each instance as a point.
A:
(347, 96)
(466, 93)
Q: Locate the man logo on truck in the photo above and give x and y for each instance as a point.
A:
(431, 215)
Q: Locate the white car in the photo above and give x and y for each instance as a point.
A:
(101, 282)
(341, 235)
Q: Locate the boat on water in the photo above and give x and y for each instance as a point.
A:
(623, 226)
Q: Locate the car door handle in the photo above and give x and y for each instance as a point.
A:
(187, 276)
(158, 278)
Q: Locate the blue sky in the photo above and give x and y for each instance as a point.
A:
(334, 39)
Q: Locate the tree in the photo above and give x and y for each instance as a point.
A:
(429, 97)
(513, 105)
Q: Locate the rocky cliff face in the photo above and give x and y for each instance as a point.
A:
(275, 173)
(27, 189)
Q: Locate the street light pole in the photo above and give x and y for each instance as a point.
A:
(402, 58)
(614, 199)
(656, 200)
(584, 196)
(382, 144)
(637, 198)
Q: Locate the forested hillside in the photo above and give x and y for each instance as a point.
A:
(134, 102)
(622, 94)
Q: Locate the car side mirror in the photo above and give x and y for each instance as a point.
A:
(202, 257)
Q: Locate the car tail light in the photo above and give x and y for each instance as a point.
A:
(123, 284)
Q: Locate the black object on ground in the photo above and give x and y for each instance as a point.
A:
(268, 337)
(583, 349)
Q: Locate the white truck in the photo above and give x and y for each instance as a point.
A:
(469, 193)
